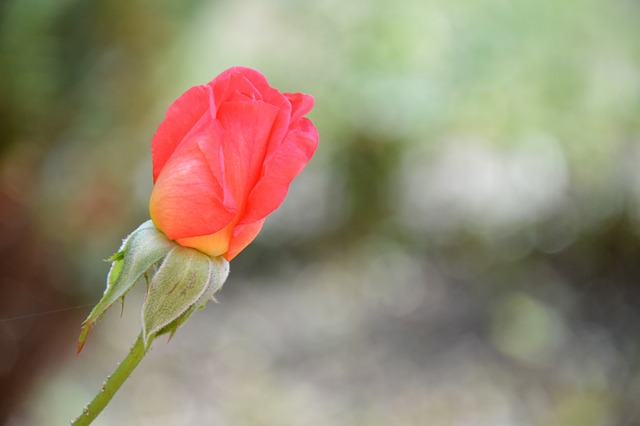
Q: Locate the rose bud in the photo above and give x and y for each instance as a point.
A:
(223, 159)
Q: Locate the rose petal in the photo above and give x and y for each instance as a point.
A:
(187, 199)
(277, 174)
(182, 118)
(245, 129)
(243, 235)
(215, 244)
(246, 84)
(211, 147)
(301, 104)
(247, 81)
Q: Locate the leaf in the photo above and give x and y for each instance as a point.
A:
(183, 278)
(140, 251)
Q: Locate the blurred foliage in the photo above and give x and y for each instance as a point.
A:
(465, 245)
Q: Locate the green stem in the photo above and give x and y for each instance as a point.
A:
(113, 383)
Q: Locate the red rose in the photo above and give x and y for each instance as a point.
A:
(223, 159)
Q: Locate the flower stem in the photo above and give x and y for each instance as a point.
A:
(113, 383)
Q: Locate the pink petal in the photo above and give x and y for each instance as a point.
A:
(182, 117)
(245, 81)
(187, 199)
(301, 104)
(243, 235)
(245, 84)
(235, 88)
(294, 153)
(211, 147)
(245, 129)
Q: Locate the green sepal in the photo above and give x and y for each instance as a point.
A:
(182, 285)
(118, 256)
(139, 251)
(220, 272)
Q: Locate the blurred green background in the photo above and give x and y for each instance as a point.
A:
(464, 248)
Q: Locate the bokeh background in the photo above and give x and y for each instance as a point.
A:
(463, 249)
